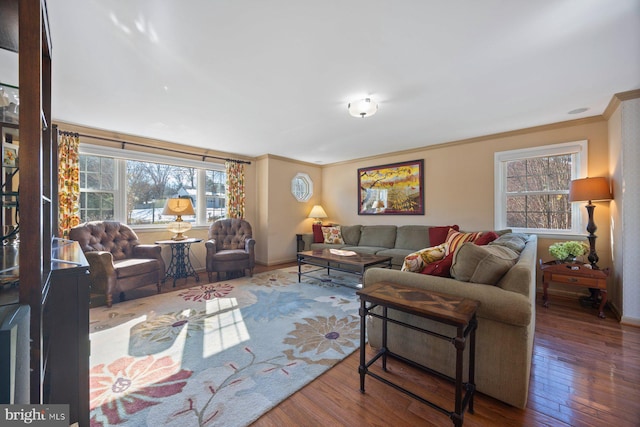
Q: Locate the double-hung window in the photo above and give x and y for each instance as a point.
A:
(133, 187)
(532, 188)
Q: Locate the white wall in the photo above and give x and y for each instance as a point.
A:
(627, 201)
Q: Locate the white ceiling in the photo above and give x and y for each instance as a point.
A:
(258, 77)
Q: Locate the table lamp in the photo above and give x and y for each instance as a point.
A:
(179, 207)
(590, 189)
(317, 213)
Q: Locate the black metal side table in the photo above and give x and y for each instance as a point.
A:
(180, 265)
(446, 309)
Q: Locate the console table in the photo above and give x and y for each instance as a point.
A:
(180, 265)
(446, 309)
(578, 275)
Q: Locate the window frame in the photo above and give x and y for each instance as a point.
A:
(579, 152)
(122, 155)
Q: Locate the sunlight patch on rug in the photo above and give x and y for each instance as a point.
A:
(219, 353)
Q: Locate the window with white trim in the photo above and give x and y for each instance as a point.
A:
(132, 187)
(532, 188)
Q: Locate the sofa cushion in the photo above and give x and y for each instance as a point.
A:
(383, 236)
(322, 246)
(513, 241)
(482, 264)
(416, 261)
(412, 237)
(134, 267)
(332, 235)
(438, 235)
(439, 268)
(318, 237)
(397, 255)
(457, 238)
(351, 234)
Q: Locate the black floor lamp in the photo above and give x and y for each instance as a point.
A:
(590, 189)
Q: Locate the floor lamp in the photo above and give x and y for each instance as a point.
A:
(590, 189)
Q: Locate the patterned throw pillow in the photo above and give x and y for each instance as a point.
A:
(417, 260)
(438, 235)
(333, 235)
(456, 238)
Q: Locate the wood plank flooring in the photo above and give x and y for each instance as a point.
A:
(585, 372)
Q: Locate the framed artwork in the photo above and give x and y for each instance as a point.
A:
(9, 155)
(393, 189)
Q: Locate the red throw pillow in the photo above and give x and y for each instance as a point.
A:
(438, 235)
(318, 237)
(439, 268)
(486, 238)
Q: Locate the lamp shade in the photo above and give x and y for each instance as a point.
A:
(366, 107)
(589, 189)
(317, 212)
(178, 207)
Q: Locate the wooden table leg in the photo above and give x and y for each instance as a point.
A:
(545, 297)
(603, 295)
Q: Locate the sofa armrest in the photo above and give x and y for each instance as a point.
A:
(307, 239)
(249, 246)
(495, 303)
(210, 245)
(147, 251)
(102, 275)
(150, 252)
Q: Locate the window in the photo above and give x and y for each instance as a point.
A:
(532, 188)
(134, 190)
(302, 187)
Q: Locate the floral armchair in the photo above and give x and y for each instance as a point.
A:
(230, 247)
(117, 260)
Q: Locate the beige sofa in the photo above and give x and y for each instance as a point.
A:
(506, 325)
(384, 240)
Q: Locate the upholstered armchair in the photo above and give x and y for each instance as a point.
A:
(230, 247)
(117, 260)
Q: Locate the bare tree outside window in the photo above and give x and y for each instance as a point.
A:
(537, 193)
(97, 184)
(147, 187)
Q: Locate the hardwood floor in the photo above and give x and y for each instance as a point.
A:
(585, 372)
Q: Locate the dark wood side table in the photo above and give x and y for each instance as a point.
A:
(180, 265)
(446, 309)
(578, 275)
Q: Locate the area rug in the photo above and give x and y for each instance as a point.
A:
(219, 354)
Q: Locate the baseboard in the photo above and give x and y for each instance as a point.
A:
(630, 321)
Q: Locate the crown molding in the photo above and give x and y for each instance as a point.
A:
(617, 99)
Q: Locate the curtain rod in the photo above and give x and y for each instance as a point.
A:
(124, 143)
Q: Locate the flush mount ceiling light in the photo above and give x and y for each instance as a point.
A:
(578, 110)
(366, 107)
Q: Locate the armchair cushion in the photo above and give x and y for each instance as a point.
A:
(135, 266)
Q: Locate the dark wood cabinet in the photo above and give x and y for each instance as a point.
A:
(66, 338)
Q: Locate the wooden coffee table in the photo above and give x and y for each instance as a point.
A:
(353, 264)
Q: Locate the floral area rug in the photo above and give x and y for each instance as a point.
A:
(217, 354)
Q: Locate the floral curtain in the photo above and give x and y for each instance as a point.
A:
(235, 189)
(68, 183)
